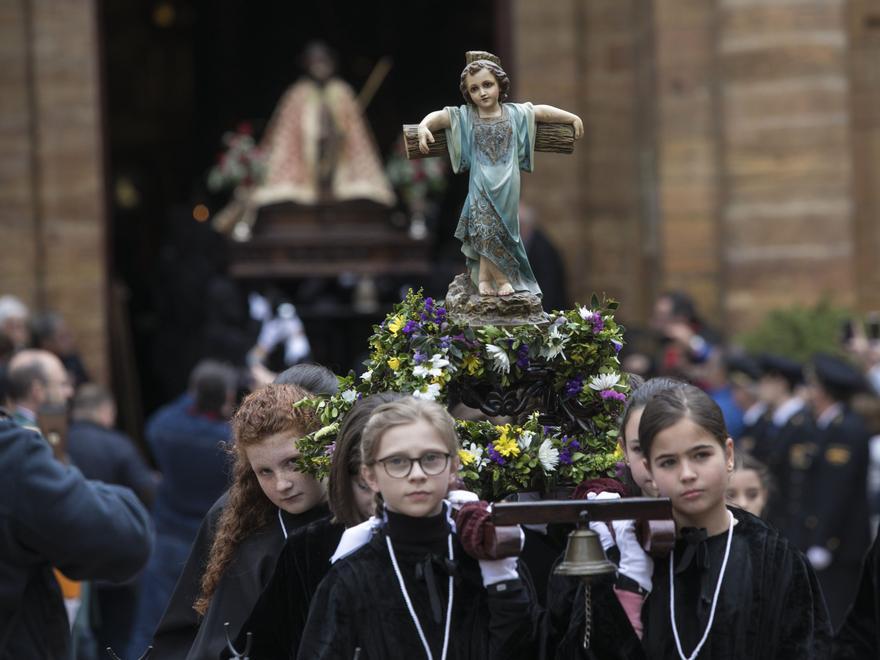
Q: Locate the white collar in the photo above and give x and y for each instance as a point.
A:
(830, 413)
(753, 414)
(355, 537)
(787, 410)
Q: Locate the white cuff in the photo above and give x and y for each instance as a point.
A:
(498, 570)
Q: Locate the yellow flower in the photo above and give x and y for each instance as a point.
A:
(394, 363)
(396, 324)
(505, 445)
(466, 457)
(377, 345)
(618, 453)
(472, 364)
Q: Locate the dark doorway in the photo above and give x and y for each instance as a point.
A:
(178, 73)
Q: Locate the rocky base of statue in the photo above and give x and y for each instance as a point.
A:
(465, 306)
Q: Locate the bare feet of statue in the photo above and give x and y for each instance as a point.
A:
(486, 288)
(505, 289)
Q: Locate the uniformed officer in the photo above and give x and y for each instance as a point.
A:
(786, 444)
(744, 374)
(837, 521)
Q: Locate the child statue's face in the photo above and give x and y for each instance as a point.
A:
(484, 91)
(412, 469)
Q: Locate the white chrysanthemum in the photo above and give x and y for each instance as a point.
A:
(438, 362)
(525, 440)
(585, 313)
(604, 382)
(367, 375)
(500, 359)
(477, 452)
(420, 371)
(429, 394)
(548, 456)
(349, 396)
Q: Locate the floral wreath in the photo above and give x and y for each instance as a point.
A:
(417, 349)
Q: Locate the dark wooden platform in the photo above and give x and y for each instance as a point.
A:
(293, 241)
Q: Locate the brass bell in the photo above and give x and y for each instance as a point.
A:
(584, 556)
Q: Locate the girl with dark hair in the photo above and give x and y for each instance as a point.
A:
(733, 587)
(635, 567)
(411, 591)
(749, 485)
(279, 616)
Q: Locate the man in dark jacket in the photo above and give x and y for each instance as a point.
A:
(50, 515)
(188, 438)
(104, 454)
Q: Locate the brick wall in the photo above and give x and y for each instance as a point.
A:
(725, 142)
(51, 180)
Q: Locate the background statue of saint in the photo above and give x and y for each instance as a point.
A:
(317, 146)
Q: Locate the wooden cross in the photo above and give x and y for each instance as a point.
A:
(553, 138)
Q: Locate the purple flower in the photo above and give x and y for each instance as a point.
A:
(441, 314)
(425, 317)
(611, 394)
(565, 457)
(617, 346)
(598, 323)
(494, 455)
(522, 360)
(445, 341)
(620, 470)
(410, 327)
(329, 449)
(419, 357)
(429, 304)
(574, 444)
(574, 386)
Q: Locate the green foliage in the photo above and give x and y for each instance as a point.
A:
(798, 332)
(417, 350)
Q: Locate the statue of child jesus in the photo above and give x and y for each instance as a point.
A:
(493, 140)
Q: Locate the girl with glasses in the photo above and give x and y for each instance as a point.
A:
(411, 591)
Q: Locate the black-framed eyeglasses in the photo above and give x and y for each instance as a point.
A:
(399, 467)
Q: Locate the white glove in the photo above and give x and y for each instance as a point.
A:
(599, 527)
(272, 332)
(819, 557)
(458, 498)
(498, 570)
(635, 563)
(260, 310)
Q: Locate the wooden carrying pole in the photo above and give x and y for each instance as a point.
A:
(568, 511)
(553, 138)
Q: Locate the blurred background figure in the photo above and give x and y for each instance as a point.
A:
(786, 443)
(187, 438)
(36, 379)
(104, 454)
(838, 527)
(14, 317)
(750, 484)
(51, 333)
(546, 262)
(744, 374)
(685, 340)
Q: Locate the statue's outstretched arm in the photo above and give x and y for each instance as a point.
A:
(435, 121)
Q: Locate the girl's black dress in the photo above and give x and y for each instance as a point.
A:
(279, 616)
(359, 605)
(770, 605)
